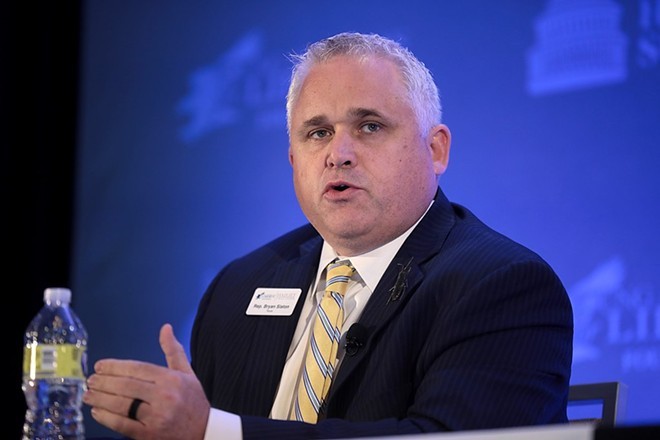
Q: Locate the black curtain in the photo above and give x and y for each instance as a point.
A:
(40, 47)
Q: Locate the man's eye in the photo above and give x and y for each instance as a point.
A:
(370, 127)
(319, 134)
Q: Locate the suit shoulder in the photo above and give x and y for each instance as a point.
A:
(477, 241)
(285, 247)
(257, 267)
(474, 253)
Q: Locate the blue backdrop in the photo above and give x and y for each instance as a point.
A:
(554, 107)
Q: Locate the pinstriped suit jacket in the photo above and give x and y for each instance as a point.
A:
(480, 338)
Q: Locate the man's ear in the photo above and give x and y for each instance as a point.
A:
(440, 143)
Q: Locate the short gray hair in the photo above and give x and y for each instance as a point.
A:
(423, 92)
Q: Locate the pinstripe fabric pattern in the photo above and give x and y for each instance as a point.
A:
(322, 351)
(480, 339)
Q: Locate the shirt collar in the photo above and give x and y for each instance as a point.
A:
(371, 265)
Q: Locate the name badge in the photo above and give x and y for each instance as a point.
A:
(271, 301)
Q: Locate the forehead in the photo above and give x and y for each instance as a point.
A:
(344, 82)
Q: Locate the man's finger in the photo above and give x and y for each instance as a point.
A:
(127, 368)
(175, 355)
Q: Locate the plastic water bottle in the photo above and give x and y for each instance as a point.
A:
(55, 371)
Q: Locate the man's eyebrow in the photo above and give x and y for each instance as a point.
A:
(315, 121)
(362, 112)
(353, 113)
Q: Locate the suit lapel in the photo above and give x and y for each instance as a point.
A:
(401, 279)
(272, 335)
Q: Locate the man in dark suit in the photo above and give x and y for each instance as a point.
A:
(446, 324)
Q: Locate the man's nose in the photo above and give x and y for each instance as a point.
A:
(341, 150)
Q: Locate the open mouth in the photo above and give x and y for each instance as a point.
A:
(338, 186)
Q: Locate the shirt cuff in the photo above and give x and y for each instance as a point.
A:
(223, 425)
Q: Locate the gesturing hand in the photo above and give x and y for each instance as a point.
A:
(170, 404)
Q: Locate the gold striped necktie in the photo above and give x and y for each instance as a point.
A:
(321, 355)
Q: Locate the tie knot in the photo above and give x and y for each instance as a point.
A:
(339, 273)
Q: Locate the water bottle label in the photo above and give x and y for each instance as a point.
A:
(42, 361)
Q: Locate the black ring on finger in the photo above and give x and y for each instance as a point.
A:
(132, 411)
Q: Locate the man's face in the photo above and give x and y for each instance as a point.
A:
(363, 173)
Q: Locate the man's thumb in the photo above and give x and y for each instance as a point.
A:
(175, 355)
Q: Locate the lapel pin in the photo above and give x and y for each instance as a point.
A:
(401, 282)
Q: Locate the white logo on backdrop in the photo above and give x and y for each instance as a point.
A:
(613, 317)
(648, 37)
(579, 44)
(244, 85)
